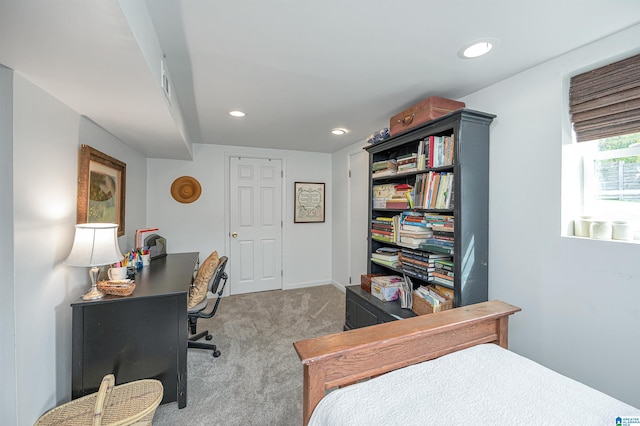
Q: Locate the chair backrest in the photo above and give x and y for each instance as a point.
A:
(218, 275)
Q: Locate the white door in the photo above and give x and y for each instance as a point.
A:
(358, 215)
(255, 192)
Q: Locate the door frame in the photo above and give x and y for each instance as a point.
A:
(350, 213)
(227, 199)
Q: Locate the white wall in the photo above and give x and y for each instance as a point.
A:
(201, 225)
(580, 312)
(7, 319)
(46, 141)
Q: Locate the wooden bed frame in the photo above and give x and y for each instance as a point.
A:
(341, 359)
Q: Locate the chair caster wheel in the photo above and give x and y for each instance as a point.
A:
(209, 337)
(216, 354)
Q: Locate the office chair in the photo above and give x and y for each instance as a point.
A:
(200, 310)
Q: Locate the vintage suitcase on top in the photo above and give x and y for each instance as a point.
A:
(422, 112)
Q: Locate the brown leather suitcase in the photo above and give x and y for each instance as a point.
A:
(422, 112)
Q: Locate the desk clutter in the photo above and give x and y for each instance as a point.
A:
(121, 274)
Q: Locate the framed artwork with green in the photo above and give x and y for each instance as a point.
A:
(101, 188)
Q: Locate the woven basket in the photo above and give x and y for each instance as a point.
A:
(422, 307)
(108, 287)
(132, 403)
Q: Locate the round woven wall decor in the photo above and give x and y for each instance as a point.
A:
(186, 189)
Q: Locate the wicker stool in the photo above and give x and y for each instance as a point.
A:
(127, 404)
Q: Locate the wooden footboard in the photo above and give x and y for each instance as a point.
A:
(341, 359)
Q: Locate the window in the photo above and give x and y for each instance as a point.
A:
(605, 113)
(612, 178)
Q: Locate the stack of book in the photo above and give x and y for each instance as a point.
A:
(382, 229)
(387, 256)
(443, 234)
(384, 168)
(401, 198)
(407, 163)
(443, 273)
(413, 229)
(419, 264)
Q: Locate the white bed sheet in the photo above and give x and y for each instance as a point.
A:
(482, 385)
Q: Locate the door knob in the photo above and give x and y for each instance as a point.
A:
(234, 234)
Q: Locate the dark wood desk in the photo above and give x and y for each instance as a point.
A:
(139, 336)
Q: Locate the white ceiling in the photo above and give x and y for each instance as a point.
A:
(297, 68)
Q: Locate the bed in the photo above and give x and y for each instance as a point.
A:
(470, 376)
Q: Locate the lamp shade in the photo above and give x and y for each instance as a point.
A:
(95, 244)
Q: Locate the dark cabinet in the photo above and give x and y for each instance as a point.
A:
(363, 309)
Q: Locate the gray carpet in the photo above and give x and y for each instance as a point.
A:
(258, 378)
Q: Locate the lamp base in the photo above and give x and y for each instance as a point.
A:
(93, 294)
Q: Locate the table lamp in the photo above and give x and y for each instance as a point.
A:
(95, 244)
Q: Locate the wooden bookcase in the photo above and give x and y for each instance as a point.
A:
(470, 203)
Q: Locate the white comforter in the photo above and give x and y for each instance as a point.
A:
(482, 385)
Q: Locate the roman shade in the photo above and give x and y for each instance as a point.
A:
(605, 102)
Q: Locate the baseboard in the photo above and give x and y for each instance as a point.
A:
(339, 286)
(306, 284)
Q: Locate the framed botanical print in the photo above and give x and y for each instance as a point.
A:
(101, 188)
(309, 202)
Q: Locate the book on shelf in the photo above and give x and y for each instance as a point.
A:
(436, 248)
(383, 190)
(421, 255)
(446, 277)
(384, 164)
(389, 257)
(417, 274)
(383, 173)
(389, 263)
(444, 264)
(442, 281)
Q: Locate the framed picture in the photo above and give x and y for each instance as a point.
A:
(101, 188)
(309, 202)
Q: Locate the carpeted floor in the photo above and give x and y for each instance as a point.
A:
(258, 378)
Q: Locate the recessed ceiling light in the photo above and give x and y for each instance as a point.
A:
(477, 48)
(237, 113)
(339, 131)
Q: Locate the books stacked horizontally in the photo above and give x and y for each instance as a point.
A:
(387, 256)
(407, 163)
(401, 197)
(419, 264)
(443, 232)
(413, 229)
(381, 193)
(384, 168)
(443, 273)
(385, 228)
